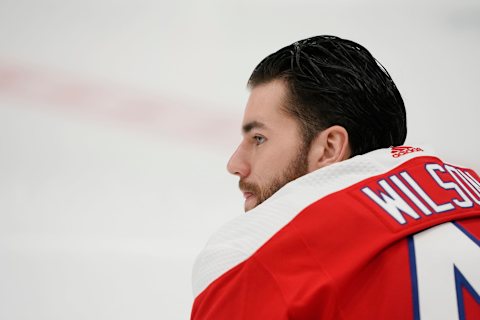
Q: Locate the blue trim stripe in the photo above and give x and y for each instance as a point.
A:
(413, 276)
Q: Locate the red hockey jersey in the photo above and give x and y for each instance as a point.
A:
(392, 234)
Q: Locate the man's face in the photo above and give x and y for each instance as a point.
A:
(272, 152)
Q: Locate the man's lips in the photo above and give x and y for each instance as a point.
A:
(247, 194)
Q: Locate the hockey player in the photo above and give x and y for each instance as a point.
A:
(343, 222)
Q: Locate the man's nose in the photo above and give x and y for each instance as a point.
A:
(238, 164)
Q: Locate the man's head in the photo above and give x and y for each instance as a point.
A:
(313, 103)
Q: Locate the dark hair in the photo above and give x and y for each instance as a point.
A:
(333, 81)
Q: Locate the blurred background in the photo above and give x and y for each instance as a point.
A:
(117, 119)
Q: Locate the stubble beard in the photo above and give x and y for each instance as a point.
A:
(296, 168)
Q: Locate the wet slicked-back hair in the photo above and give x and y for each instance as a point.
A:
(333, 81)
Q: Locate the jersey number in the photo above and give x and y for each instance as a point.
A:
(445, 261)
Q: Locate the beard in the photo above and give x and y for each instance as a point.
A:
(296, 168)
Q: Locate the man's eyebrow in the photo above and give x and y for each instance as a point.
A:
(252, 125)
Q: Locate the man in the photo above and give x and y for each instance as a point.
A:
(343, 222)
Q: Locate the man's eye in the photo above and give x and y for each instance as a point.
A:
(259, 139)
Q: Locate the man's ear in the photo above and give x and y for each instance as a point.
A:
(328, 147)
